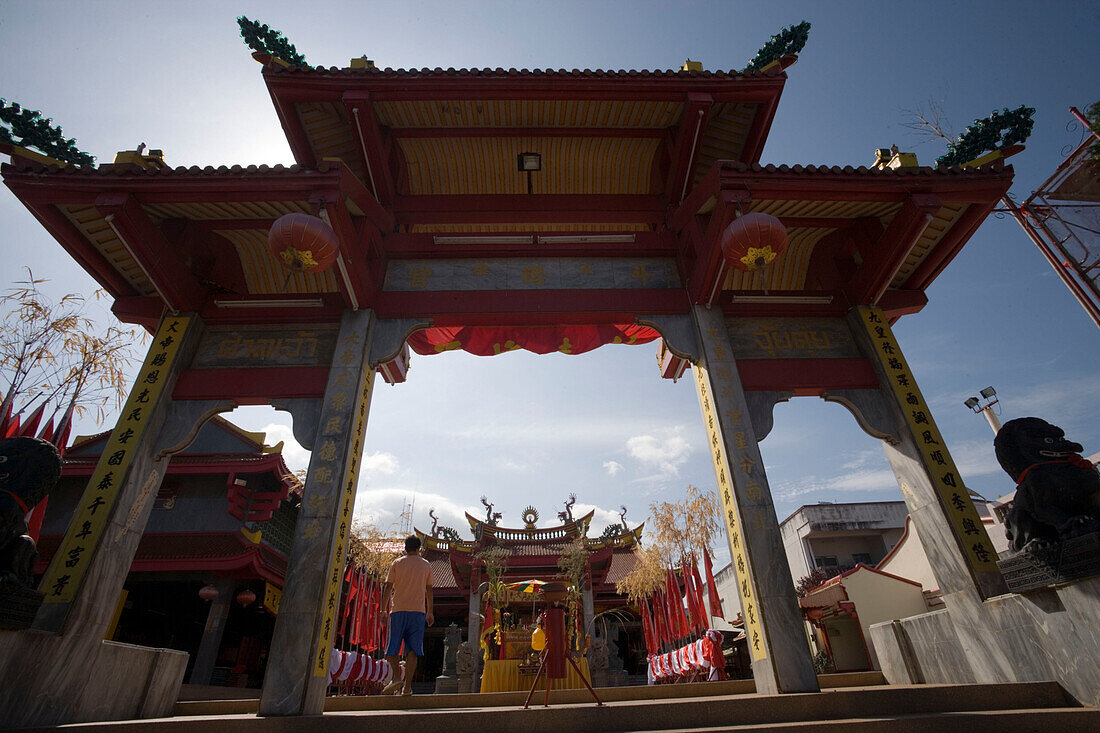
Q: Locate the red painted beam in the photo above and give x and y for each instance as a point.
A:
(807, 377)
(143, 310)
(482, 84)
(949, 246)
(372, 145)
(758, 132)
(252, 385)
(295, 131)
(180, 186)
(685, 148)
(531, 307)
(898, 303)
(359, 281)
(496, 208)
(882, 260)
(148, 246)
(379, 216)
(609, 132)
(704, 282)
(700, 193)
(81, 250)
(423, 246)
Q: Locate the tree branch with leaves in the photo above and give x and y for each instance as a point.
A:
(52, 353)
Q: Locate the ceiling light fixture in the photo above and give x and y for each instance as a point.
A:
(585, 238)
(529, 162)
(803, 299)
(485, 239)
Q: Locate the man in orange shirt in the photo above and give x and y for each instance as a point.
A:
(409, 585)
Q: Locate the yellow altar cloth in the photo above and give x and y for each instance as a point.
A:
(502, 675)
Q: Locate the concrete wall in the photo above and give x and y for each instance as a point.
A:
(1049, 634)
(879, 598)
(117, 682)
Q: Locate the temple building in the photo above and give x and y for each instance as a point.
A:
(533, 553)
(210, 566)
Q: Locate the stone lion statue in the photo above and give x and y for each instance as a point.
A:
(464, 659)
(1057, 491)
(29, 469)
(598, 656)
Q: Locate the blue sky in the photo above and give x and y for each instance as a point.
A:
(529, 430)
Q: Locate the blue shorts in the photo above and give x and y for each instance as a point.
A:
(407, 626)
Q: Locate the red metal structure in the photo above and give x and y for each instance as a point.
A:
(1062, 218)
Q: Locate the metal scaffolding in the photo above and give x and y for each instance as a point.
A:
(1062, 218)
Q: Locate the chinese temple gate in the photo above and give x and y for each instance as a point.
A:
(614, 227)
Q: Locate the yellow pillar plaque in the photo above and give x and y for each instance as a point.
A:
(754, 635)
(954, 498)
(88, 527)
(347, 508)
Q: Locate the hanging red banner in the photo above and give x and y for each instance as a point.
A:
(490, 341)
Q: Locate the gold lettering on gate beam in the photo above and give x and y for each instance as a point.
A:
(955, 500)
(97, 505)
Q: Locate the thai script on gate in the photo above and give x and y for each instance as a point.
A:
(304, 345)
(775, 341)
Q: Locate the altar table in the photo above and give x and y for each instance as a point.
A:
(503, 675)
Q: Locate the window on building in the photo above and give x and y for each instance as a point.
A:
(861, 557)
(825, 561)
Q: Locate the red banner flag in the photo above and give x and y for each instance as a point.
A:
(695, 614)
(697, 582)
(675, 606)
(647, 628)
(712, 592)
(660, 618)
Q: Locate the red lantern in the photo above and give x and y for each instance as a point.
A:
(246, 597)
(303, 243)
(208, 592)
(753, 241)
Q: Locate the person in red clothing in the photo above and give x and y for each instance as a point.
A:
(409, 587)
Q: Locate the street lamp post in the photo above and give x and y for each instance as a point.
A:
(989, 394)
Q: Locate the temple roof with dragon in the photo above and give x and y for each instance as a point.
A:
(533, 554)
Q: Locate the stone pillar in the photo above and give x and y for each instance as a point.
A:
(86, 575)
(474, 629)
(297, 669)
(207, 653)
(773, 623)
(951, 531)
(447, 682)
(588, 610)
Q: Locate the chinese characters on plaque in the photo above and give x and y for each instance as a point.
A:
(954, 497)
(85, 533)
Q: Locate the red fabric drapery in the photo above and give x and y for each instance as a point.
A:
(490, 341)
(648, 630)
(697, 584)
(715, 599)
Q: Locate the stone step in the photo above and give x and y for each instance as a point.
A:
(250, 704)
(942, 708)
(1079, 720)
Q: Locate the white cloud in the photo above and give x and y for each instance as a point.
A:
(383, 508)
(613, 467)
(666, 450)
(379, 462)
(294, 454)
